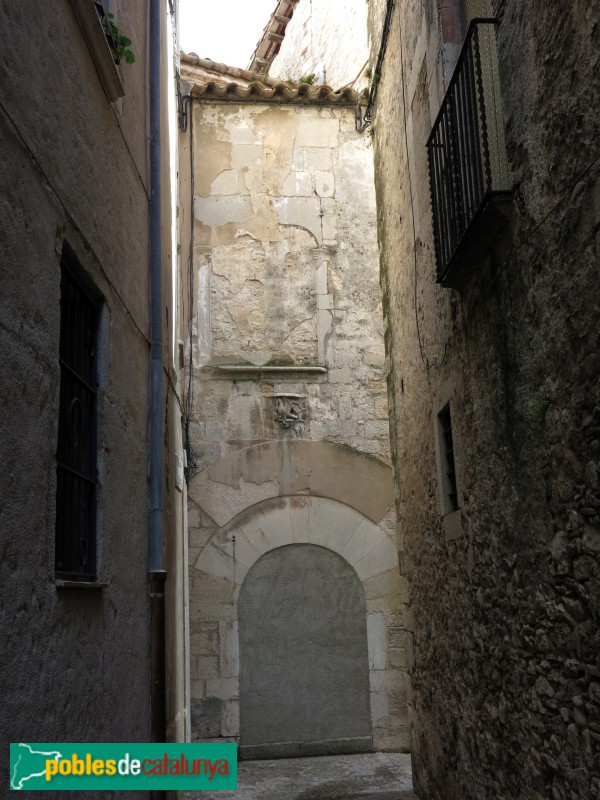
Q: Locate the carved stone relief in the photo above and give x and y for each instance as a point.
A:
(290, 412)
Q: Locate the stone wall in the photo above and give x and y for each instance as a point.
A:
(504, 663)
(288, 426)
(287, 274)
(274, 496)
(327, 41)
(75, 661)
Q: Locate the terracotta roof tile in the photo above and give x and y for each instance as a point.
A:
(191, 60)
(272, 36)
(213, 81)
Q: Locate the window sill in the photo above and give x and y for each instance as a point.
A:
(99, 49)
(64, 584)
(283, 369)
(453, 528)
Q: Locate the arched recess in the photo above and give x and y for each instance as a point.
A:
(285, 468)
(304, 672)
(269, 496)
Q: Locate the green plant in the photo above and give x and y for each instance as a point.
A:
(122, 43)
(537, 407)
(310, 78)
(369, 73)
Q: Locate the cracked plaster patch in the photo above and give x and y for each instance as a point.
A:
(219, 210)
(300, 212)
(226, 183)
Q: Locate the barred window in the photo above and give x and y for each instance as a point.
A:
(76, 450)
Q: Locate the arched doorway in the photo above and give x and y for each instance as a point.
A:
(285, 493)
(304, 670)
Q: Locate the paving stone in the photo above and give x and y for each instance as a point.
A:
(365, 776)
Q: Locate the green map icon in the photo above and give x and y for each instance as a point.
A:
(109, 766)
(29, 765)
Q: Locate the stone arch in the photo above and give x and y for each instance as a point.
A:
(292, 467)
(233, 549)
(269, 496)
(304, 680)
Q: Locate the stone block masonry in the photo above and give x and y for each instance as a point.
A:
(286, 273)
(327, 40)
(503, 658)
(289, 448)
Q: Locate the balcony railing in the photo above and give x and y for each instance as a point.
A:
(467, 159)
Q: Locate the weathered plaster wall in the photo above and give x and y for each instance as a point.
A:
(326, 40)
(285, 273)
(75, 663)
(504, 605)
(286, 276)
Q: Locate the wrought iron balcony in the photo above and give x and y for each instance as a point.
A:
(468, 171)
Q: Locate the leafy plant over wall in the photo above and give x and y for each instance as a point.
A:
(310, 78)
(122, 43)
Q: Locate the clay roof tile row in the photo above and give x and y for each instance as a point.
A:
(272, 36)
(203, 65)
(280, 92)
(213, 81)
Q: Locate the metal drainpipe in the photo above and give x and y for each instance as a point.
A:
(157, 574)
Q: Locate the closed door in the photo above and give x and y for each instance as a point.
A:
(304, 680)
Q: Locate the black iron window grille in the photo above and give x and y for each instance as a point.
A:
(76, 450)
(467, 158)
(447, 458)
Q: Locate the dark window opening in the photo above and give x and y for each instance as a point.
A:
(76, 451)
(452, 34)
(447, 459)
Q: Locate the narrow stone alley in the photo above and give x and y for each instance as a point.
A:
(300, 416)
(365, 776)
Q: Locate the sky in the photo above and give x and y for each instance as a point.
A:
(225, 30)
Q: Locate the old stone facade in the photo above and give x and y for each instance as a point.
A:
(504, 663)
(74, 191)
(288, 432)
(335, 594)
(321, 41)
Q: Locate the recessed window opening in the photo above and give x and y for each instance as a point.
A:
(450, 490)
(455, 18)
(76, 449)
